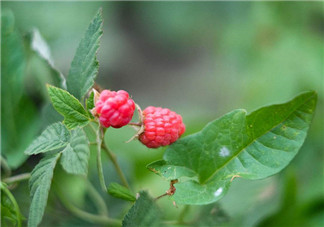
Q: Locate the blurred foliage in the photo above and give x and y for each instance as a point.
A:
(201, 59)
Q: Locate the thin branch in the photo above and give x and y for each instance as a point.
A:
(135, 124)
(92, 218)
(170, 191)
(113, 158)
(17, 178)
(183, 213)
(5, 167)
(98, 200)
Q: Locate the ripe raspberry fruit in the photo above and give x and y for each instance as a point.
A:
(115, 109)
(161, 127)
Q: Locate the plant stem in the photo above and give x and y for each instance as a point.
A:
(183, 213)
(113, 158)
(17, 178)
(165, 194)
(93, 218)
(175, 222)
(5, 167)
(98, 200)
(135, 124)
(13, 201)
(99, 163)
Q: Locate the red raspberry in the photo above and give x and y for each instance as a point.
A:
(161, 127)
(115, 109)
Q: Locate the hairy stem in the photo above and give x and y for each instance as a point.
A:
(113, 158)
(99, 163)
(17, 178)
(135, 124)
(5, 167)
(92, 218)
(97, 199)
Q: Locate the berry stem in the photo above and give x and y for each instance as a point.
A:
(99, 163)
(135, 124)
(113, 158)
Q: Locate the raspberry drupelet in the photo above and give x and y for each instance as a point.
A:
(115, 109)
(161, 127)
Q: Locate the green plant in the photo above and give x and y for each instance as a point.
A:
(199, 167)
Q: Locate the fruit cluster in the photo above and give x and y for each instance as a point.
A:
(161, 126)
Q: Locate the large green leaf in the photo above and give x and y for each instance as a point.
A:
(84, 66)
(143, 213)
(53, 137)
(72, 110)
(251, 146)
(76, 154)
(39, 185)
(120, 191)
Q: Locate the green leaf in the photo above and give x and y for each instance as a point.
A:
(84, 67)
(39, 46)
(90, 104)
(76, 155)
(121, 192)
(143, 213)
(90, 101)
(13, 59)
(72, 110)
(10, 211)
(53, 137)
(39, 185)
(252, 146)
(17, 130)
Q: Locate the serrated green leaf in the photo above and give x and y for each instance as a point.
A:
(121, 192)
(76, 155)
(39, 185)
(251, 146)
(84, 67)
(90, 104)
(53, 137)
(90, 101)
(143, 213)
(72, 110)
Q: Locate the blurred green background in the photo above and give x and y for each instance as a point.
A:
(202, 60)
